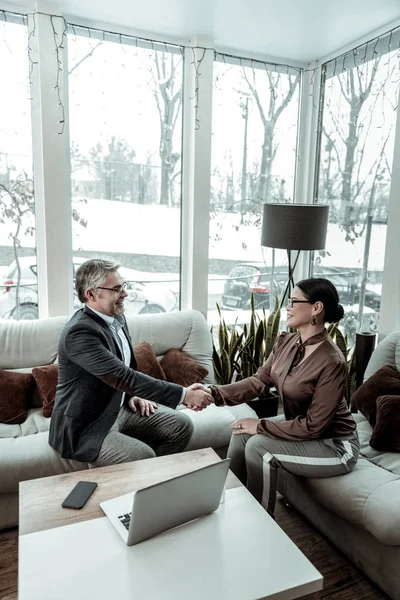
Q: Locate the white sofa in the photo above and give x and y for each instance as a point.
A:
(24, 449)
(359, 512)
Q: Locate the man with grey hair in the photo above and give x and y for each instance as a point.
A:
(105, 411)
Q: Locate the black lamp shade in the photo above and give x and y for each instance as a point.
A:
(295, 226)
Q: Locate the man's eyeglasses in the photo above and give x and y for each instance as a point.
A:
(292, 301)
(117, 289)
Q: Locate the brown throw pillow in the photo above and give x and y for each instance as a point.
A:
(147, 362)
(386, 433)
(181, 369)
(384, 382)
(15, 393)
(46, 380)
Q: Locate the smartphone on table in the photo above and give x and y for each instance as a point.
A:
(81, 493)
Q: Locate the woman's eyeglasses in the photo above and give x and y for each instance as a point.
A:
(117, 289)
(292, 301)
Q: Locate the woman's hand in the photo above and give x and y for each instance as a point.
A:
(146, 407)
(248, 426)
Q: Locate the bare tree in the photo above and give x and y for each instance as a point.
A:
(355, 89)
(368, 222)
(270, 107)
(16, 202)
(167, 92)
(82, 60)
(348, 171)
(351, 174)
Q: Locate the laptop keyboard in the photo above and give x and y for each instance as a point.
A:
(125, 520)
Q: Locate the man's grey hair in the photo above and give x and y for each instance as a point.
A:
(92, 274)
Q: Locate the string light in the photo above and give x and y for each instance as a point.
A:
(257, 62)
(57, 48)
(32, 62)
(196, 62)
(167, 47)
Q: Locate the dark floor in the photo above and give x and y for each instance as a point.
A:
(342, 580)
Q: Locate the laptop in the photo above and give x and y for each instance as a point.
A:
(143, 514)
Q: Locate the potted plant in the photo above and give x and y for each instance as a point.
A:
(225, 354)
(242, 350)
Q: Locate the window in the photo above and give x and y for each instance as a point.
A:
(18, 283)
(125, 130)
(254, 135)
(356, 150)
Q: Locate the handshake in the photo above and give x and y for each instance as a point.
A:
(197, 397)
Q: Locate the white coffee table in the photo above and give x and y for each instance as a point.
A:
(237, 553)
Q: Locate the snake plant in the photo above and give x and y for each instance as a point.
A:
(242, 350)
(225, 358)
(350, 356)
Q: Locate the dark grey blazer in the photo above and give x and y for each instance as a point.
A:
(91, 379)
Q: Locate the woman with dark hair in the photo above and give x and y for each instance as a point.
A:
(317, 436)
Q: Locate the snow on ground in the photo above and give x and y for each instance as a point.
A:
(152, 229)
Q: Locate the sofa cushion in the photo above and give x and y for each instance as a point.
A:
(147, 362)
(387, 352)
(35, 423)
(35, 399)
(386, 433)
(30, 343)
(386, 460)
(15, 393)
(46, 380)
(367, 497)
(31, 457)
(381, 514)
(182, 369)
(212, 426)
(385, 381)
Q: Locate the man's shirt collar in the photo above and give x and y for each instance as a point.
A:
(109, 320)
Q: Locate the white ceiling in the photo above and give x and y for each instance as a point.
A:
(299, 30)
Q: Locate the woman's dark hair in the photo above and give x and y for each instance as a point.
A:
(322, 290)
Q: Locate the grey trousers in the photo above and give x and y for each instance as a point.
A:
(133, 437)
(250, 455)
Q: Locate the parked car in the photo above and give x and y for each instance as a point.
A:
(147, 296)
(254, 278)
(142, 297)
(27, 290)
(245, 279)
(348, 287)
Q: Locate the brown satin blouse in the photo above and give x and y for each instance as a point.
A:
(312, 392)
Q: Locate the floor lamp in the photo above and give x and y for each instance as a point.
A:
(294, 227)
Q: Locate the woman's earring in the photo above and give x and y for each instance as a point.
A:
(313, 321)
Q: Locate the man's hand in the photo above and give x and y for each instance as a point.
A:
(197, 397)
(146, 407)
(248, 426)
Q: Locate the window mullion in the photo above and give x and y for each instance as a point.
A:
(390, 304)
(307, 143)
(51, 163)
(196, 170)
